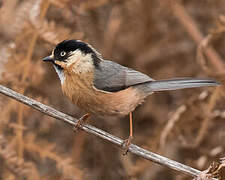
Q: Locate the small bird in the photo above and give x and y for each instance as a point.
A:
(106, 88)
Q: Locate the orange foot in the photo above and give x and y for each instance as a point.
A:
(126, 144)
(81, 122)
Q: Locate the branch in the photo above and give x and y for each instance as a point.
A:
(99, 133)
(191, 27)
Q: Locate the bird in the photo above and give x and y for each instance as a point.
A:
(105, 88)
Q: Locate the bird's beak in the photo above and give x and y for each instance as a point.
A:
(48, 58)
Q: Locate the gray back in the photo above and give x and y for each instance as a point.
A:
(112, 77)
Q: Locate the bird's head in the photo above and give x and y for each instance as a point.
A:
(74, 56)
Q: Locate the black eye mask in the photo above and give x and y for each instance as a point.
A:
(58, 57)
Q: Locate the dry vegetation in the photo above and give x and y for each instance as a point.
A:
(161, 38)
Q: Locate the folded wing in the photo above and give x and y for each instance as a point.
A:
(113, 77)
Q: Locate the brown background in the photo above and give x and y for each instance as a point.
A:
(159, 38)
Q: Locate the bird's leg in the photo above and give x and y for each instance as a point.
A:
(81, 121)
(127, 142)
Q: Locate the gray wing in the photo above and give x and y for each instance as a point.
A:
(112, 77)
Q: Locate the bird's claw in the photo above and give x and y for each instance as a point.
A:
(81, 122)
(126, 144)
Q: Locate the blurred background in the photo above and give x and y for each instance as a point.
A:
(163, 39)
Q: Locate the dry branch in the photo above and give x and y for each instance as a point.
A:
(99, 133)
(191, 27)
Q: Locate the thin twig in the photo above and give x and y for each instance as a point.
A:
(206, 123)
(191, 27)
(100, 133)
(171, 122)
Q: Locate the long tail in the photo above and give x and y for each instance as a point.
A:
(182, 83)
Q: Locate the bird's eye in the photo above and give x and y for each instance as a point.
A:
(63, 53)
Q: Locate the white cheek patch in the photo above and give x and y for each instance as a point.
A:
(60, 74)
(82, 63)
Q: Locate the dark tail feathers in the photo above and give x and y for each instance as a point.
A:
(182, 83)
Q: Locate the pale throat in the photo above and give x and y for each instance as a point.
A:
(60, 74)
(77, 64)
